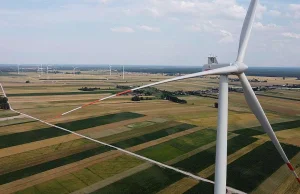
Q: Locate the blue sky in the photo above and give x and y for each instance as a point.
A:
(146, 32)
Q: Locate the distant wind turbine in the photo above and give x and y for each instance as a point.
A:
(123, 73)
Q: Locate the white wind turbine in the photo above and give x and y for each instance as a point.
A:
(123, 72)
(237, 68)
(74, 69)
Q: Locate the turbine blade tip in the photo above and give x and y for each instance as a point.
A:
(290, 166)
(125, 92)
(298, 179)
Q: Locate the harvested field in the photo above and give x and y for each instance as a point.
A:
(22, 173)
(166, 131)
(41, 134)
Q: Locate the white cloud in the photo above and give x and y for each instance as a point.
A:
(122, 29)
(291, 35)
(210, 27)
(274, 13)
(105, 1)
(207, 26)
(295, 9)
(261, 9)
(226, 36)
(260, 26)
(149, 28)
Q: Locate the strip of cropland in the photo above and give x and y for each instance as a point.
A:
(22, 173)
(64, 93)
(250, 170)
(154, 179)
(253, 131)
(280, 97)
(32, 157)
(50, 132)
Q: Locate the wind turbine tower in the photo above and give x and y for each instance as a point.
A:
(123, 73)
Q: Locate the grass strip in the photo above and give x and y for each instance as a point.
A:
(50, 132)
(152, 136)
(18, 123)
(253, 131)
(64, 93)
(280, 97)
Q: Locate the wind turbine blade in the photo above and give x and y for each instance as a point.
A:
(262, 118)
(223, 70)
(246, 30)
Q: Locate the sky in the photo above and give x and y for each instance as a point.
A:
(146, 32)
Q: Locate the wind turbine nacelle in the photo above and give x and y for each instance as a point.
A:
(207, 67)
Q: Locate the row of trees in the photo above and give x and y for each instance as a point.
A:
(4, 103)
(139, 98)
(89, 89)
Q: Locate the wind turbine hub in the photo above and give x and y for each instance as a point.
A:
(241, 67)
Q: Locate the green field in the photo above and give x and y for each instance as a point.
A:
(257, 166)
(29, 171)
(176, 147)
(41, 134)
(25, 172)
(253, 131)
(152, 136)
(87, 176)
(150, 180)
(250, 170)
(204, 159)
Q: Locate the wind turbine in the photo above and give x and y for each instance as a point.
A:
(236, 68)
(123, 73)
(18, 69)
(110, 70)
(74, 68)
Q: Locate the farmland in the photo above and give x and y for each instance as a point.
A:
(37, 158)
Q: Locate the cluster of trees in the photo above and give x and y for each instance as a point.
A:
(167, 96)
(4, 103)
(88, 89)
(139, 98)
(148, 91)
